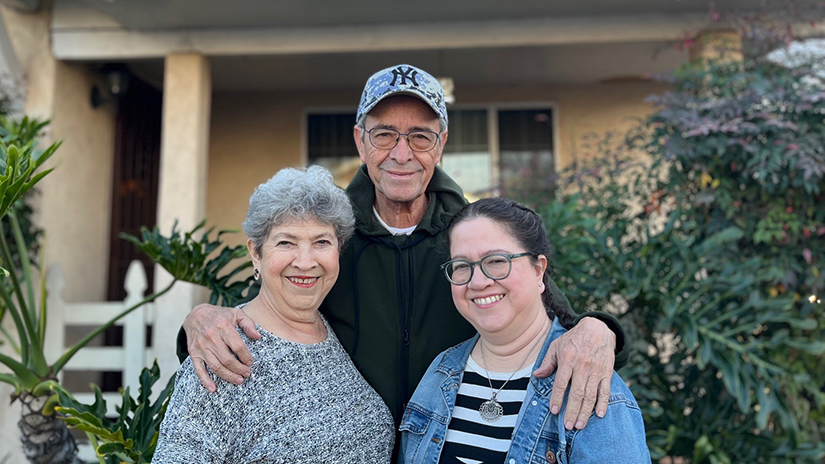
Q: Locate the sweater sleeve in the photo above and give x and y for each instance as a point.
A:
(622, 353)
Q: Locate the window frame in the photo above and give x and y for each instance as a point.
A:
(492, 109)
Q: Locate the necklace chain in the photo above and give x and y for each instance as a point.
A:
(491, 410)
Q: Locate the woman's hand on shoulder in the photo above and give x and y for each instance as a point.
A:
(213, 342)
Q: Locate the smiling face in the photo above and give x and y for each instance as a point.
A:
(400, 175)
(298, 263)
(503, 308)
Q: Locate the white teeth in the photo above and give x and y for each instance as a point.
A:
(488, 300)
(303, 281)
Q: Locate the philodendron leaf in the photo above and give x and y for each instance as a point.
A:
(187, 259)
(133, 436)
(110, 448)
(82, 418)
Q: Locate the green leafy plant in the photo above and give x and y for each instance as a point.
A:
(133, 435)
(189, 261)
(18, 163)
(18, 166)
(31, 375)
(24, 299)
(710, 254)
(184, 257)
(22, 132)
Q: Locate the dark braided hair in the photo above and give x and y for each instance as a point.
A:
(527, 229)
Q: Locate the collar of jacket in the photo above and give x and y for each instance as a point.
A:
(445, 196)
(454, 360)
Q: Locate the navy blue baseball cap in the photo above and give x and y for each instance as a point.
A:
(402, 79)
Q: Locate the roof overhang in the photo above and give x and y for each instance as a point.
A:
(132, 29)
(121, 43)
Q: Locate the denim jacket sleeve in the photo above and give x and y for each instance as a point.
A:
(618, 437)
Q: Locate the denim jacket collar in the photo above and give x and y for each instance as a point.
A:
(455, 358)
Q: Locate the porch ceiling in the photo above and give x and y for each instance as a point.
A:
(499, 67)
(106, 30)
(211, 14)
(328, 44)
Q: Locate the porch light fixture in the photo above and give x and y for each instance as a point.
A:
(116, 81)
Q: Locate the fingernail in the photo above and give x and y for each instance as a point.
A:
(579, 425)
(239, 381)
(600, 412)
(247, 374)
(554, 409)
(569, 425)
(211, 389)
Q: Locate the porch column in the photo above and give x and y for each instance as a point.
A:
(714, 45)
(184, 150)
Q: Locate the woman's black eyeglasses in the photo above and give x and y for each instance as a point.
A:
(496, 266)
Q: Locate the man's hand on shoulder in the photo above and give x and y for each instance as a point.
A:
(584, 357)
(213, 341)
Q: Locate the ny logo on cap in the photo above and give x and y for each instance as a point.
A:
(409, 73)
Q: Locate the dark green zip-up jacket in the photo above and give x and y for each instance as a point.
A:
(391, 307)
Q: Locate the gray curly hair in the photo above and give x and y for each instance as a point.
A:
(298, 194)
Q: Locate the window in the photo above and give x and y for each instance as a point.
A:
(467, 157)
(329, 140)
(528, 167)
(489, 151)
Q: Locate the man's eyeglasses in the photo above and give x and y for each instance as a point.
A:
(387, 139)
(496, 266)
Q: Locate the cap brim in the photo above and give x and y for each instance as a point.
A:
(410, 92)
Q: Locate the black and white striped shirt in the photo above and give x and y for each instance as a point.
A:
(471, 439)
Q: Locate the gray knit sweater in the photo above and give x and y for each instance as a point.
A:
(302, 404)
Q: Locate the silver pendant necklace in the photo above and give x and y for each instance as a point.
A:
(491, 410)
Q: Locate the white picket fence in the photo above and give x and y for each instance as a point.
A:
(130, 358)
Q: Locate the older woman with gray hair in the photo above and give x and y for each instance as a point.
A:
(305, 400)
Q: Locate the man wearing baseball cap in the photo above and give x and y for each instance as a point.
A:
(391, 307)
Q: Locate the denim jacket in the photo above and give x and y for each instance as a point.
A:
(539, 437)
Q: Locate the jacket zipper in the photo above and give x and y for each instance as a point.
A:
(405, 356)
(403, 350)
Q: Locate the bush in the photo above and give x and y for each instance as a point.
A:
(711, 256)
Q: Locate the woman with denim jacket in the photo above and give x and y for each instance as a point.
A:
(478, 402)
